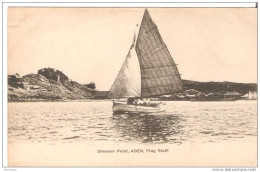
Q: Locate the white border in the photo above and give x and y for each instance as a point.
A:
(4, 86)
(139, 4)
(106, 4)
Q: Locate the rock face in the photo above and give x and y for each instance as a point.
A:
(48, 84)
(91, 85)
(53, 74)
(15, 81)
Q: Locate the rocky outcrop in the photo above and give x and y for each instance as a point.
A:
(53, 74)
(48, 84)
(91, 85)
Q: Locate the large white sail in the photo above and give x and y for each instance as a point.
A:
(128, 81)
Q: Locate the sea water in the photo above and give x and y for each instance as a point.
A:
(91, 121)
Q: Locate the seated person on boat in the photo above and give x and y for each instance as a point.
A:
(141, 102)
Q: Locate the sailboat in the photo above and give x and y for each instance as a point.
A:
(148, 71)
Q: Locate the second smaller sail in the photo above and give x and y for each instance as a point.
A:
(128, 81)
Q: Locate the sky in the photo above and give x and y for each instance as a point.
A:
(91, 44)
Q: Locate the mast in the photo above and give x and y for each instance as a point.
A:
(159, 73)
(149, 69)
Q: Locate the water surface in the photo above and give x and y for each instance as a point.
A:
(91, 121)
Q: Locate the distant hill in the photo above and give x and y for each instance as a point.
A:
(207, 87)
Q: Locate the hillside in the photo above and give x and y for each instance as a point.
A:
(208, 87)
(48, 84)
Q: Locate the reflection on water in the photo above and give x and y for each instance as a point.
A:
(183, 122)
(148, 128)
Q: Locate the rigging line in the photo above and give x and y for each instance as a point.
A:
(156, 52)
(141, 64)
(152, 29)
(156, 55)
(161, 43)
(175, 79)
(142, 56)
(168, 85)
(171, 85)
(155, 61)
(169, 57)
(146, 42)
(152, 53)
(177, 71)
(178, 79)
(160, 59)
(172, 69)
(155, 36)
(169, 54)
(142, 75)
(175, 67)
(136, 90)
(162, 76)
(171, 72)
(162, 94)
(171, 90)
(138, 52)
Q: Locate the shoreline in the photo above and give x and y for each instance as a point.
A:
(45, 100)
(91, 99)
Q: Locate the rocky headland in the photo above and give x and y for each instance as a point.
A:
(53, 85)
(47, 85)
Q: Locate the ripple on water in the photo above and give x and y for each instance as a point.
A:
(182, 122)
(74, 137)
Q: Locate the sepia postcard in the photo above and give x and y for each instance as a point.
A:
(131, 87)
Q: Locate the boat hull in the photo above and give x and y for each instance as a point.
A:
(120, 107)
